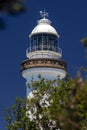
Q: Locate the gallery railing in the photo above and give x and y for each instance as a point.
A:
(45, 48)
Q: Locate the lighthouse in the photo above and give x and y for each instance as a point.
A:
(44, 57)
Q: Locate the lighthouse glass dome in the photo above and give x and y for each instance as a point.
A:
(44, 41)
(44, 37)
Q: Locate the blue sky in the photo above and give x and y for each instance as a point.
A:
(69, 17)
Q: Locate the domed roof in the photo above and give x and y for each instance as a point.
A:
(44, 26)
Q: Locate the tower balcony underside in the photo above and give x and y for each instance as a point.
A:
(48, 63)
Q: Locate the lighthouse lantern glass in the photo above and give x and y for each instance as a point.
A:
(44, 42)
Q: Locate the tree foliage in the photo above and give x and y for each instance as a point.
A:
(16, 116)
(11, 7)
(84, 41)
(53, 105)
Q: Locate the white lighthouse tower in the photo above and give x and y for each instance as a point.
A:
(43, 55)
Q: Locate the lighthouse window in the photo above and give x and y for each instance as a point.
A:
(39, 44)
(44, 40)
(56, 42)
(33, 43)
(50, 43)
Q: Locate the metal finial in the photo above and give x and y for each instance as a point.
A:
(44, 14)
